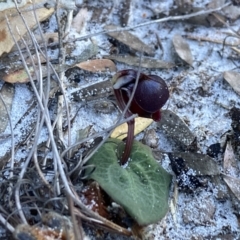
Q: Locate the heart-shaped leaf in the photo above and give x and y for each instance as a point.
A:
(141, 187)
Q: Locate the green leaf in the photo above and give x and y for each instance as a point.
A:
(141, 187)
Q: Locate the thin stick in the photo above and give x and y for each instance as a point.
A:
(40, 172)
(78, 231)
(5, 223)
(57, 157)
(61, 57)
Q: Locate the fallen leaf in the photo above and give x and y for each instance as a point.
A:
(232, 12)
(17, 26)
(146, 62)
(80, 19)
(19, 76)
(93, 92)
(229, 161)
(182, 48)
(233, 184)
(222, 191)
(7, 92)
(233, 78)
(141, 187)
(175, 128)
(95, 199)
(130, 40)
(197, 163)
(120, 132)
(98, 65)
(189, 169)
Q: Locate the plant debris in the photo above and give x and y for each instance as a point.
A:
(62, 115)
(233, 79)
(146, 62)
(7, 94)
(182, 48)
(130, 40)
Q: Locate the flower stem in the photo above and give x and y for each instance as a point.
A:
(129, 142)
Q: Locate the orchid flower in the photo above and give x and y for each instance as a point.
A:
(151, 93)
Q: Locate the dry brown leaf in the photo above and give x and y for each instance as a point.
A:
(233, 184)
(140, 124)
(80, 19)
(95, 199)
(17, 26)
(146, 62)
(233, 78)
(130, 40)
(229, 161)
(7, 93)
(98, 65)
(19, 76)
(182, 48)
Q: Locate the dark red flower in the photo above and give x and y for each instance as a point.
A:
(150, 95)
